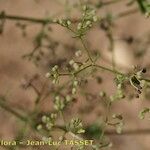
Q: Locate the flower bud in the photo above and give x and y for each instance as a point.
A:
(102, 94)
(76, 66)
(95, 18)
(74, 90)
(54, 68)
(79, 26)
(44, 119)
(88, 23)
(68, 22)
(68, 98)
(84, 7)
(48, 75)
(39, 127)
(78, 53)
(60, 21)
(71, 62)
(75, 83)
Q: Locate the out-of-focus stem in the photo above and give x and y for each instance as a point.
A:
(11, 110)
(50, 20)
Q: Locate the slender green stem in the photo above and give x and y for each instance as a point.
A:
(63, 118)
(84, 45)
(82, 69)
(148, 80)
(100, 67)
(110, 70)
(86, 49)
(94, 65)
(110, 2)
(64, 74)
(111, 48)
(22, 18)
(100, 4)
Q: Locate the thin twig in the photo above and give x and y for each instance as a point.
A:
(50, 21)
(22, 18)
(86, 49)
(106, 3)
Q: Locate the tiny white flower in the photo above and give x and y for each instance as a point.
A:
(53, 115)
(84, 7)
(55, 75)
(88, 23)
(76, 66)
(143, 83)
(71, 62)
(147, 14)
(74, 90)
(78, 53)
(75, 83)
(119, 86)
(68, 22)
(95, 18)
(68, 98)
(55, 68)
(47, 75)
(57, 98)
(60, 21)
(110, 145)
(54, 81)
(49, 126)
(39, 127)
(44, 119)
(102, 94)
(79, 26)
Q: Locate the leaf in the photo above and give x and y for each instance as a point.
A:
(141, 5)
(144, 6)
(94, 131)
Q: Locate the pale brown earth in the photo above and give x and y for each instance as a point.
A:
(13, 69)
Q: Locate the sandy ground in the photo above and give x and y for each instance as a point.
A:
(13, 69)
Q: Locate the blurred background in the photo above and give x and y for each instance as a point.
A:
(24, 63)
